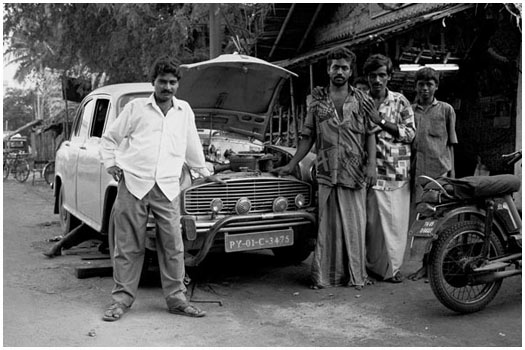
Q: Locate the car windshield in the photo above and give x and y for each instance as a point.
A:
(129, 97)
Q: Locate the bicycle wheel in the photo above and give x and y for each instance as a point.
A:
(21, 170)
(449, 271)
(6, 169)
(49, 172)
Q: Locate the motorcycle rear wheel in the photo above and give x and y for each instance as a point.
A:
(449, 278)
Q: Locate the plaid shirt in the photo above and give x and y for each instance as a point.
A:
(340, 140)
(393, 153)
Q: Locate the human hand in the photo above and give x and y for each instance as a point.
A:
(214, 178)
(283, 170)
(370, 175)
(371, 110)
(115, 172)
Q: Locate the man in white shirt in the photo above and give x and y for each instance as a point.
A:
(158, 136)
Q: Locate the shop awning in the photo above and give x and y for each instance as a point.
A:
(371, 35)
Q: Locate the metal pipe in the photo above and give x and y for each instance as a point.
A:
(491, 277)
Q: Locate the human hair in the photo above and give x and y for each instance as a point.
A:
(377, 61)
(427, 73)
(338, 54)
(360, 80)
(164, 65)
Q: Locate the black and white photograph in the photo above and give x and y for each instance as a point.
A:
(262, 175)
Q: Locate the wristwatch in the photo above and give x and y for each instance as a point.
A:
(383, 122)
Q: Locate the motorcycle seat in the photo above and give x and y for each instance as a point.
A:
(476, 187)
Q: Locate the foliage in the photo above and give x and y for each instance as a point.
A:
(118, 40)
(18, 108)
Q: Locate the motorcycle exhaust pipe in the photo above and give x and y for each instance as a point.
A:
(494, 276)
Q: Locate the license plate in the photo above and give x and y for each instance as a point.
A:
(259, 240)
(423, 228)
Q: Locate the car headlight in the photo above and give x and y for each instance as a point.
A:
(280, 204)
(216, 205)
(300, 201)
(243, 206)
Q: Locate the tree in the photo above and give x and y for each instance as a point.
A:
(18, 108)
(118, 40)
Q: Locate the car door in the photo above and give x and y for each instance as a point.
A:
(90, 167)
(78, 137)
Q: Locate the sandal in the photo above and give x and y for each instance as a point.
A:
(397, 278)
(114, 312)
(187, 310)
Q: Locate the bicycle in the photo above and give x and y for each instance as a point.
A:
(49, 172)
(18, 165)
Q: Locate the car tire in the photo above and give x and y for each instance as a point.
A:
(67, 221)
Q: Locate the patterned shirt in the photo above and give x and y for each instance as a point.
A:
(436, 132)
(340, 140)
(393, 152)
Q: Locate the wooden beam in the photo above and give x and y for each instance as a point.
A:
(311, 78)
(283, 27)
(310, 26)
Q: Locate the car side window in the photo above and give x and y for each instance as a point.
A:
(82, 123)
(101, 111)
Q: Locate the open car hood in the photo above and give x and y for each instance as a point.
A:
(232, 92)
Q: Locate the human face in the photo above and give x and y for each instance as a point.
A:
(378, 79)
(362, 87)
(339, 72)
(426, 89)
(166, 86)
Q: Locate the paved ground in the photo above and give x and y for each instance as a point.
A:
(264, 304)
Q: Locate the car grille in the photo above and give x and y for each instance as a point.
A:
(260, 191)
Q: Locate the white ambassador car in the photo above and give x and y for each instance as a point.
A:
(232, 97)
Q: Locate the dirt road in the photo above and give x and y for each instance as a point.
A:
(263, 303)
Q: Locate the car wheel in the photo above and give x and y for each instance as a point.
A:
(67, 221)
(303, 246)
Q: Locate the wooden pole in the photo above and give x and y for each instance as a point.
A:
(281, 32)
(311, 78)
(280, 122)
(271, 129)
(292, 100)
(288, 128)
(215, 33)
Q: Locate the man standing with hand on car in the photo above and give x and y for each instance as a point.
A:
(338, 122)
(144, 150)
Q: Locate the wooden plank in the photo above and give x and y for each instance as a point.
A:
(98, 256)
(93, 271)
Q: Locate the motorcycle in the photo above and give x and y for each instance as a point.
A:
(469, 232)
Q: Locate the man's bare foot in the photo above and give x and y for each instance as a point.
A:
(419, 274)
(54, 251)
